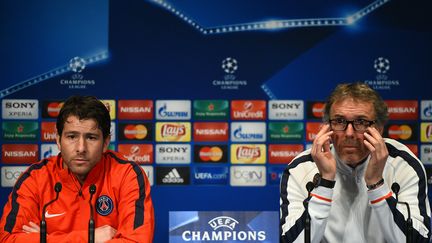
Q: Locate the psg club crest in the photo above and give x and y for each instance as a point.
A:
(104, 205)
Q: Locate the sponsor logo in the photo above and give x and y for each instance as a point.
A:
(248, 131)
(20, 109)
(173, 131)
(77, 81)
(426, 109)
(113, 132)
(173, 153)
(211, 153)
(283, 153)
(315, 109)
(135, 109)
(248, 175)
(248, 110)
(312, 129)
(49, 215)
(382, 81)
(286, 109)
(413, 148)
(210, 109)
(210, 131)
(110, 105)
(426, 132)
(19, 153)
(275, 175)
(104, 205)
(426, 153)
(10, 174)
(402, 109)
(136, 131)
(223, 226)
(402, 132)
(139, 153)
(248, 153)
(49, 150)
(172, 176)
(210, 175)
(286, 131)
(51, 109)
(20, 130)
(229, 82)
(48, 131)
(173, 109)
(148, 169)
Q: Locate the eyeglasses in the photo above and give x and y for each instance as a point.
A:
(359, 125)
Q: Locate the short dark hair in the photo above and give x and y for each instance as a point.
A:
(85, 107)
(358, 91)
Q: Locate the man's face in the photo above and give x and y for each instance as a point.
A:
(81, 145)
(349, 144)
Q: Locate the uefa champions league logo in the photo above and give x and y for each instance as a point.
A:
(382, 65)
(77, 81)
(229, 65)
(77, 64)
(382, 81)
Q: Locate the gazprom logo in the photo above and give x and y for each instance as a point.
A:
(223, 221)
(248, 132)
(173, 109)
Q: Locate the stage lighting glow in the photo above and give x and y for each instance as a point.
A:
(275, 24)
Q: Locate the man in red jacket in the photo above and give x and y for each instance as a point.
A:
(121, 202)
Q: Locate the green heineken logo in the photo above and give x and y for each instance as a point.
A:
(20, 130)
(210, 109)
(286, 131)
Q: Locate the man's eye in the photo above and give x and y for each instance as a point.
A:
(340, 121)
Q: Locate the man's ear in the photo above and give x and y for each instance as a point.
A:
(106, 143)
(58, 138)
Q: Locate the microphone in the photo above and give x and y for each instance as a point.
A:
(309, 187)
(395, 188)
(91, 226)
(43, 226)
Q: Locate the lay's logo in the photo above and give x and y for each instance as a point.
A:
(248, 153)
(173, 131)
(426, 132)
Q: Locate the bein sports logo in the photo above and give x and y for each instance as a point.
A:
(77, 64)
(223, 230)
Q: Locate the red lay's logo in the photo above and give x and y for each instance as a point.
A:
(283, 153)
(140, 153)
(402, 109)
(20, 153)
(248, 110)
(210, 154)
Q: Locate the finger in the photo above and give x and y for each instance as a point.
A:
(28, 229)
(34, 226)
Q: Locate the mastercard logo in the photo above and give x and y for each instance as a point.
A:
(318, 109)
(210, 154)
(53, 108)
(403, 132)
(135, 131)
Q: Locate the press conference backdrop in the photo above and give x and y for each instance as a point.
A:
(212, 98)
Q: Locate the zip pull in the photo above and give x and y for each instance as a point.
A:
(80, 192)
